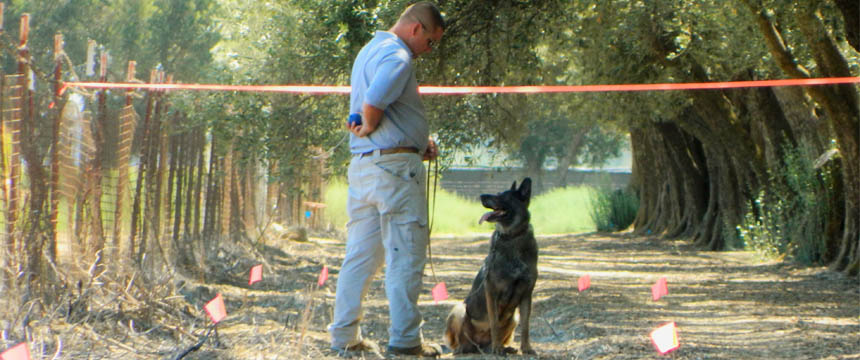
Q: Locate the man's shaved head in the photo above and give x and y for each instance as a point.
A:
(426, 13)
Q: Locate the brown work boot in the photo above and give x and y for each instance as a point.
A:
(363, 348)
(428, 350)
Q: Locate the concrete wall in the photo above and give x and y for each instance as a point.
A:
(471, 183)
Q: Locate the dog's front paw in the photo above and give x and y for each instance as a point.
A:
(528, 351)
(498, 350)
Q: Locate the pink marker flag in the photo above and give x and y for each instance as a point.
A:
(584, 282)
(17, 352)
(323, 276)
(256, 274)
(216, 310)
(439, 292)
(665, 338)
(659, 289)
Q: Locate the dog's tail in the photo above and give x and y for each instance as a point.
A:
(454, 326)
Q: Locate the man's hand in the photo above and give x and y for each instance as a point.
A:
(432, 151)
(370, 118)
(355, 129)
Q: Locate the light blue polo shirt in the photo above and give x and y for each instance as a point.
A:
(383, 76)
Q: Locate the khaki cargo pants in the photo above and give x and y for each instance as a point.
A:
(388, 221)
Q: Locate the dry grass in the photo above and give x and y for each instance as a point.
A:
(727, 305)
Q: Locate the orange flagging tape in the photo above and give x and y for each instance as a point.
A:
(463, 90)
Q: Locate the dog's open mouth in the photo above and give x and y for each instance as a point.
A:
(491, 216)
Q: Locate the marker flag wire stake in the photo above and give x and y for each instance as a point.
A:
(665, 338)
(659, 289)
(216, 310)
(440, 292)
(584, 282)
(17, 352)
(463, 90)
(256, 274)
(323, 276)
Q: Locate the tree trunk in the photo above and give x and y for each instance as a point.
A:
(126, 131)
(534, 168)
(723, 133)
(692, 178)
(642, 162)
(178, 180)
(851, 15)
(198, 187)
(96, 175)
(137, 252)
(840, 103)
(227, 186)
(573, 150)
(161, 204)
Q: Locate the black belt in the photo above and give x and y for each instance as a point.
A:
(395, 150)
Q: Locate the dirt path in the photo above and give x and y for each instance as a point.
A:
(726, 305)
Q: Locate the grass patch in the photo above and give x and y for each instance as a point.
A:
(335, 199)
(457, 215)
(563, 211)
(558, 211)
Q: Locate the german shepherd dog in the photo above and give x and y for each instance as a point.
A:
(486, 320)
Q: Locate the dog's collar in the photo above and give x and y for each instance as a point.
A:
(517, 232)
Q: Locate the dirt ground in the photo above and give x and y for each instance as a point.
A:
(727, 305)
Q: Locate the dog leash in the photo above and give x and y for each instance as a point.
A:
(435, 171)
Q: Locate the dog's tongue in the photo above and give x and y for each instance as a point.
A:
(486, 216)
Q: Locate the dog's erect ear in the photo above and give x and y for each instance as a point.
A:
(525, 190)
(514, 186)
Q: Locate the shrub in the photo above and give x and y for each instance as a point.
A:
(789, 216)
(613, 209)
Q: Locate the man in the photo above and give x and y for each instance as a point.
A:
(386, 203)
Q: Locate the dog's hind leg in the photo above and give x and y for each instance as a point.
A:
(525, 315)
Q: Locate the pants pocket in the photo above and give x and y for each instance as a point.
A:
(407, 239)
(403, 167)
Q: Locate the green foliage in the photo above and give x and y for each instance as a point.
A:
(555, 212)
(789, 217)
(613, 209)
(183, 35)
(560, 130)
(601, 144)
(763, 235)
(178, 34)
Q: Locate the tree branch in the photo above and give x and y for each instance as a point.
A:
(783, 56)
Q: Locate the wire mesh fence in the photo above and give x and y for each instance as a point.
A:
(87, 181)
